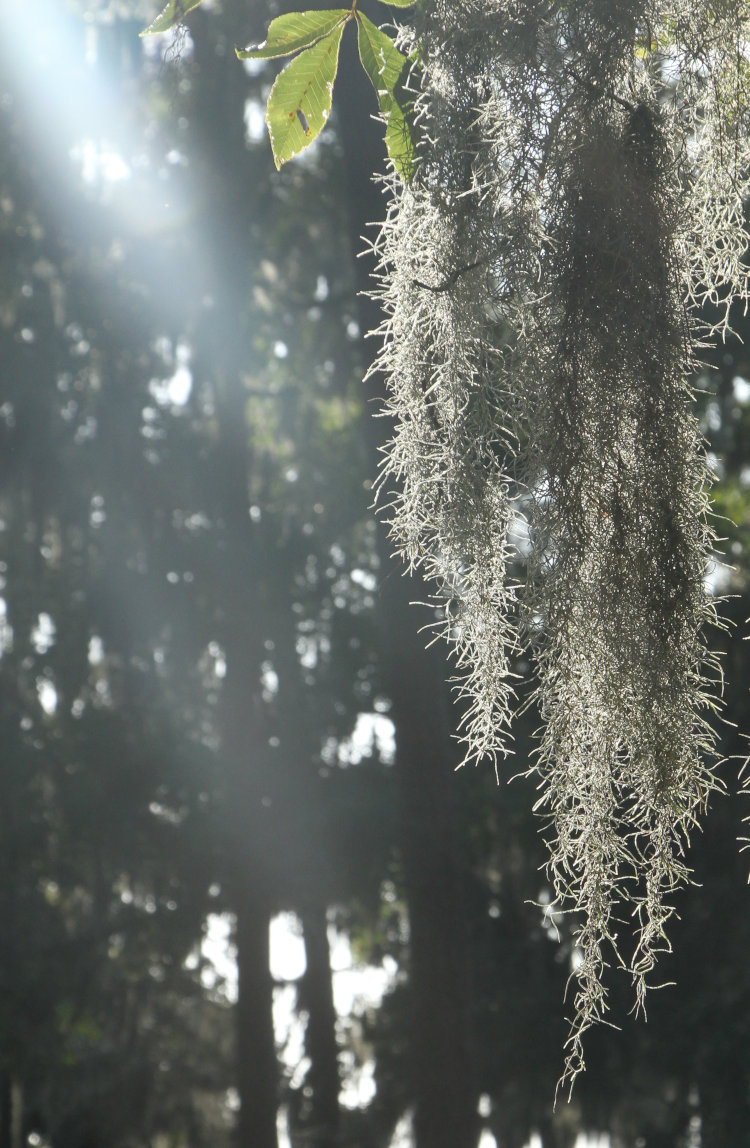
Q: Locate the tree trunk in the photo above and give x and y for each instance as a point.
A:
(320, 1037)
(11, 1112)
(6, 1111)
(249, 820)
(223, 349)
(249, 812)
(441, 1062)
(257, 1082)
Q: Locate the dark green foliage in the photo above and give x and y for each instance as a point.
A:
(209, 665)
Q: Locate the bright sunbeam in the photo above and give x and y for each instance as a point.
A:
(77, 92)
(50, 62)
(82, 121)
(100, 163)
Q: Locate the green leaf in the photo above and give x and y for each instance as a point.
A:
(300, 99)
(399, 142)
(287, 34)
(387, 69)
(174, 13)
(400, 3)
(380, 57)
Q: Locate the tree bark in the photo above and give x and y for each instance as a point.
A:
(249, 813)
(6, 1111)
(257, 1075)
(320, 1036)
(222, 352)
(440, 1054)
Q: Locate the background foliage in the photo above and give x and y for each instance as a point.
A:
(212, 698)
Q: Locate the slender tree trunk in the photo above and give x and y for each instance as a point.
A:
(11, 1112)
(251, 845)
(249, 811)
(222, 352)
(6, 1111)
(320, 1037)
(307, 876)
(257, 1076)
(16, 1118)
(441, 1061)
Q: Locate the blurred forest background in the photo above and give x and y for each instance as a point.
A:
(216, 712)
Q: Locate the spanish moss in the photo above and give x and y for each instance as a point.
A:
(579, 194)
